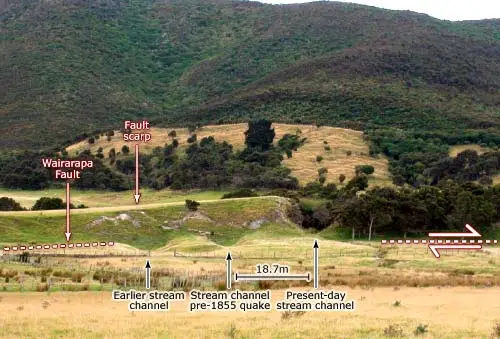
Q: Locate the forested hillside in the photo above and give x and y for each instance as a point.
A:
(73, 66)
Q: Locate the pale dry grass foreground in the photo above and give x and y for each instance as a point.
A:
(448, 312)
(303, 164)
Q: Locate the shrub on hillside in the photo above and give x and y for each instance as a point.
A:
(192, 205)
(46, 203)
(359, 183)
(366, 169)
(290, 142)
(241, 193)
(317, 217)
(9, 204)
(342, 177)
(322, 171)
(125, 149)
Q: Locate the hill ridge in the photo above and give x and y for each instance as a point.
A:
(70, 67)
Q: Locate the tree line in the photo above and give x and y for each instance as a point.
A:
(401, 211)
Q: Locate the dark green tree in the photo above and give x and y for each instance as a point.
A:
(47, 203)
(366, 169)
(192, 205)
(9, 204)
(125, 150)
(259, 135)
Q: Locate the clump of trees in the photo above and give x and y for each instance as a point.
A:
(290, 143)
(365, 169)
(240, 193)
(192, 205)
(390, 211)
(24, 170)
(211, 164)
(9, 204)
(421, 158)
(259, 135)
(47, 203)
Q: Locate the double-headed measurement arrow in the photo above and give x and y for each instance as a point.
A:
(137, 195)
(148, 275)
(254, 277)
(316, 264)
(68, 212)
(228, 274)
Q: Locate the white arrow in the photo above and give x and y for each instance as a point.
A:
(435, 248)
(472, 234)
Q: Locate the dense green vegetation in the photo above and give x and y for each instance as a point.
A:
(399, 211)
(204, 164)
(24, 170)
(422, 158)
(9, 204)
(223, 222)
(74, 70)
(417, 211)
(212, 164)
(441, 194)
(73, 67)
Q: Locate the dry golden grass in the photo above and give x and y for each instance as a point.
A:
(100, 198)
(496, 179)
(466, 311)
(341, 141)
(303, 163)
(454, 150)
(449, 313)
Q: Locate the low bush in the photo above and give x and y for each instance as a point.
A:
(241, 193)
(9, 204)
(192, 205)
(421, 329)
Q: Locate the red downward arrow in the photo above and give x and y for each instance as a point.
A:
(68, 221)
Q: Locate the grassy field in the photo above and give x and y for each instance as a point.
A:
(93, 198)
(303, 164)
(396, 291)
(67, 293)
(144, 226)
(449, 313)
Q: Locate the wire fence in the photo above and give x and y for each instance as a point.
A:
(52, 272)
